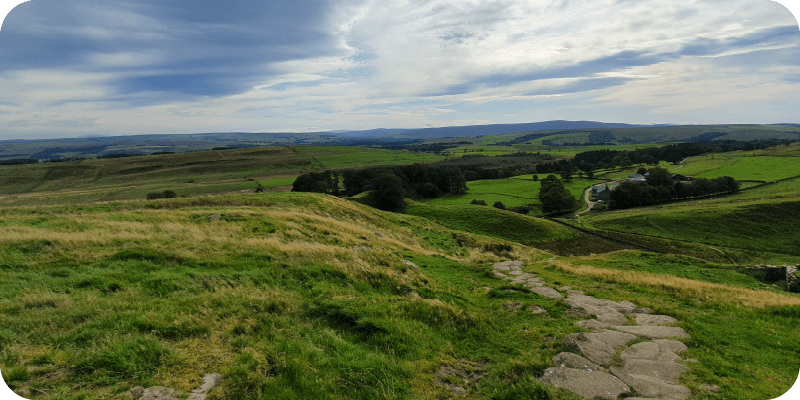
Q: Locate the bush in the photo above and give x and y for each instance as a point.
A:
(524, 210)
(478, 202)
(168, 194)
(500, 205)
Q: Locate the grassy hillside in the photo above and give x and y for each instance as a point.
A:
(188, 174)
(306, 296)
(490, 221)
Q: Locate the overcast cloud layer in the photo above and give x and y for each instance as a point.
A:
(112, 67)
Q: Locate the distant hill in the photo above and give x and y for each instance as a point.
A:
(499, 129)
(547, 134)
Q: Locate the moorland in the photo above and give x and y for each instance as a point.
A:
(311, 295)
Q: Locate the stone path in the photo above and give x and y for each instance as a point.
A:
(649, 368)
(163, 393)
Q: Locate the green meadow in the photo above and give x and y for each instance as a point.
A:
(516, 191)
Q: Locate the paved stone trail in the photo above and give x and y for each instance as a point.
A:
(650, 368)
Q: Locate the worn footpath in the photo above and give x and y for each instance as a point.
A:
(648, 369)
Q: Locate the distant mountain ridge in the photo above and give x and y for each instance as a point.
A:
(499, 129)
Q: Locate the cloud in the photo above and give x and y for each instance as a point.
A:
(139, 66)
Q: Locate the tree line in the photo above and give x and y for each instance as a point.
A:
(389, 185)
(661, 187)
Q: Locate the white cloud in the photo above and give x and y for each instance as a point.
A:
(418, 63)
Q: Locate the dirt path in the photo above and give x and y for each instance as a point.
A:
(586, 197)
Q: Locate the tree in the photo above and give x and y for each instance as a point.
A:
(555, 197)
(389, 194)
(674, 158)
(500, 205)
(659, 177)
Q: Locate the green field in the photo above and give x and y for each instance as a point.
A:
(512, 192)
(759, 168)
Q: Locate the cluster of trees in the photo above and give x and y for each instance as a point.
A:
(661, 187)
(19, 161)
(555, 197)
(389, 185)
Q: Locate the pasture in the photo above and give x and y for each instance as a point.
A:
(516, 191)
(188, 174)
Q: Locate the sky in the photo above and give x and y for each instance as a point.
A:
(112, 67)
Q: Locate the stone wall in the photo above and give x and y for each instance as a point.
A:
(792, 280)
(774, 273)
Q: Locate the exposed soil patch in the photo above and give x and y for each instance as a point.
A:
(459, 376)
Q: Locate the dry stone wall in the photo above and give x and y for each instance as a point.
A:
(775, 273)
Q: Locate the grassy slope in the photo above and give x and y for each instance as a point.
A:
(490, 221)
(97, 299)
(188, 174)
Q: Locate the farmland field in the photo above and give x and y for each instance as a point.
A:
(512, 192)
(758, 168)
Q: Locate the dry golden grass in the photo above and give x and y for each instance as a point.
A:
(685, 288)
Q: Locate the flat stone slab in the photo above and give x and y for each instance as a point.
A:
(533, 284)
(564, 288)
(209, 381)
(654, 320)
(570, 360)
(611, 338)
(515, 273)
(499, 274)
(650, 351)
(665, 371)
(501, 268)
(580, 300)
(672, 345)
(594, 350)
(592, 324)
(651, 387)
(547, 292)
(574, 292)
(537, 310)
(654, 332)
(612, 318)
(516, 265)
(584, 383)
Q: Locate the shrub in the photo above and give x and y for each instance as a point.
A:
(524, 210)
(168, 194)
(500, 205)
(478, 202)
